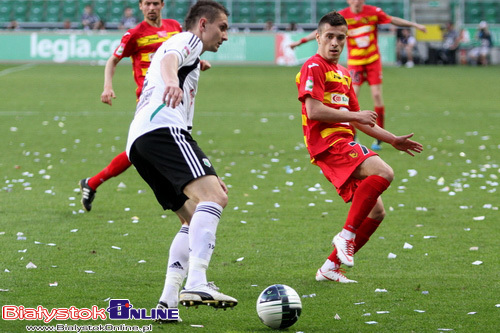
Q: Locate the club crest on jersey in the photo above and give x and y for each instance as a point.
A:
(309, 83)
(207, 162)
(353, 153)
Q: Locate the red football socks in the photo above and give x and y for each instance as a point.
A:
(119, 164)
(333, 257)
(365, 230)
(364, 200)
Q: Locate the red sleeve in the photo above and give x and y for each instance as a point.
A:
(383, 18)
(311, 81)
(127, 45)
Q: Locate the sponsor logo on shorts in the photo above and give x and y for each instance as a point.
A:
(207, 162)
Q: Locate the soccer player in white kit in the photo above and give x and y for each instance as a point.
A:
(161, 148)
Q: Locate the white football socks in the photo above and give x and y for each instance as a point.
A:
(329, 265)
(178, 264)
(346, 234)
(202, 231)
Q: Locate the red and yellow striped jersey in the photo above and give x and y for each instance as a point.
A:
(362, 43)
(140, 44)
(331, 84)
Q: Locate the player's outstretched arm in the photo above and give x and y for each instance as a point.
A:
(316, 110)
(402, 142)
(400, 22)
(306, 39)
(109, 71)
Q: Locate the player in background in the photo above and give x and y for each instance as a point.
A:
(330, 114)
(166, 156)
(140, 44)
(363, 59)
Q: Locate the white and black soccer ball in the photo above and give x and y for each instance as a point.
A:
(279, 306)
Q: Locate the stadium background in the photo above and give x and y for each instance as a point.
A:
(42, 20)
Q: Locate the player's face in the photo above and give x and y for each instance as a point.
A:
(331, 41)
(151, 9)
(215, 33)
(356, 5)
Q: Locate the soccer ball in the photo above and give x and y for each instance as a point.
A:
(279, 306)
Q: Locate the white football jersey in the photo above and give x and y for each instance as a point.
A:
(151, 112)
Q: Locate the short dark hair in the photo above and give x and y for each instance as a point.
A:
(333, 18)
(204, 8)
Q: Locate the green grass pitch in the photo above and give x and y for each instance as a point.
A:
(282, 212)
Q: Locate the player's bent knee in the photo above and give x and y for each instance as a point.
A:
(378, 215)
(387, 173)
(219, 198)
(222, 200)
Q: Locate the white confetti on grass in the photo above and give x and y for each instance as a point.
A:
(31, 265)
(477, 262)
(478, 218)
(380, 290)
(412, 172)
(407, 246)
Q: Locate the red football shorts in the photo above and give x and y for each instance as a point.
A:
(339, 162)
(371, 73)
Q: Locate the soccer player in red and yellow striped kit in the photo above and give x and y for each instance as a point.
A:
(330, 114)
(363, 59)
